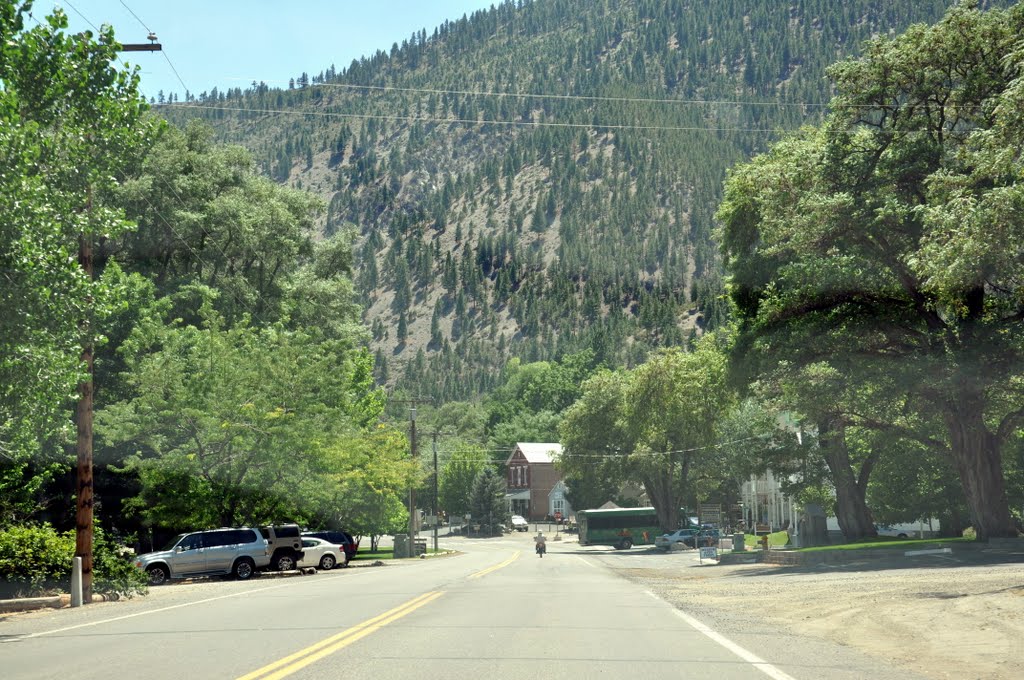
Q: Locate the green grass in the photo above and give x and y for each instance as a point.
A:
(887, 543)
(381, 554)
(779, 539)
(387, 554)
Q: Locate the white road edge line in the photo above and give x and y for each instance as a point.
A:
(146, 613)
(580, 558)
(748, 656)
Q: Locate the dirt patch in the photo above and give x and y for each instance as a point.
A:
(941, 622)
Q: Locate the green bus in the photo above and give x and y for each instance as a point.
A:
(619, 527)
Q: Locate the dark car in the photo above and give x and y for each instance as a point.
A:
(342, 538)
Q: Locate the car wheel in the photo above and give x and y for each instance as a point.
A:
(243, 569)
(902, 536)
(284, 563)
(627, 543)
(327, 562)
(158, 575)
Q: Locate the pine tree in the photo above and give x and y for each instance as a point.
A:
(487, 502)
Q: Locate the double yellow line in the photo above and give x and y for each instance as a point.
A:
(302, 658)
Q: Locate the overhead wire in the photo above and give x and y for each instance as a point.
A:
(568, 97)
(475, 121)
(611, 453)
(148, 30)
(162, 50)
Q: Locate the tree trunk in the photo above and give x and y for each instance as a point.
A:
(977, 456)
(666, 506)
(852, 510)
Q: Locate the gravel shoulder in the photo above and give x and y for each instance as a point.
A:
(959, 616)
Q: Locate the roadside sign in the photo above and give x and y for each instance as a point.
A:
(558, 517)
(708, 553)
(710, 513)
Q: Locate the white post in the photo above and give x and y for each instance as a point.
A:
(76, 582)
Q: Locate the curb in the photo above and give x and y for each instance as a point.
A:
(787, 558)
(27, 604)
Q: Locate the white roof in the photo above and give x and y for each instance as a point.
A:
(538, 452)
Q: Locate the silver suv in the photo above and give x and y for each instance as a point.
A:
(218, 552)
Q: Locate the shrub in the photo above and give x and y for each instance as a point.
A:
(113, 569)
(34, 560)
(37, 559)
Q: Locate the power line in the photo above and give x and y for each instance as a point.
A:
(84, 18)
(474, 121)
(164, 52)
(569, 97)
(611, 453)
(136, 17)
(542, 95)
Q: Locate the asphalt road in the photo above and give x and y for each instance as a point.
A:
(494, 611)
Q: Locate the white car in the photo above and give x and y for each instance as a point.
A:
(318, 553)
(899, 531)
(519, 523)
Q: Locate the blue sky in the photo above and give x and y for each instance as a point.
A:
(230, 43)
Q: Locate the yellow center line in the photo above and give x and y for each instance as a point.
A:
(302, 658)
(496, 567)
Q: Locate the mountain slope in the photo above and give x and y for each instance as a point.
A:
(542, 176)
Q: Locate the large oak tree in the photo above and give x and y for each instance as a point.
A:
(889, 235)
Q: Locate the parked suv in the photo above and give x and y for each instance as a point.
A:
(342, 538)
(285, 543)
(217, 552)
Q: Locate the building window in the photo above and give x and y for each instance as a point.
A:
(558, 505)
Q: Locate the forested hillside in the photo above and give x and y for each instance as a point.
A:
(541, 177)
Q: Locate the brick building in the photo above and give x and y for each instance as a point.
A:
(531, 476)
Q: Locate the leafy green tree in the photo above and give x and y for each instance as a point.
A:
(68, 121)
(541, 426)
(206, 216)
(232, 422)
(881, 236)
(456, 479)
(657, 424)
(368, 472)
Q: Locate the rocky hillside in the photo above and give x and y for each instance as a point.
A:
(541, 177)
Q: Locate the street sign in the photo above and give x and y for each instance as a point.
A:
(708, 553)
(558, 517)
(710, 513)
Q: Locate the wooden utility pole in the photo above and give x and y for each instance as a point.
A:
(412, 487)
(414, 452)
(83, 448)
(433, 506)
(84, 409)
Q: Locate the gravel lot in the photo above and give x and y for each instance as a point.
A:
(938, 616)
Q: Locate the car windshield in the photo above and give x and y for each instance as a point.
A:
(445, 274)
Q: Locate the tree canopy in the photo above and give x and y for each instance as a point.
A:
(879, 238)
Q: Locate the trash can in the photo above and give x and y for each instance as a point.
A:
(401, 546)
(737, 542)
(420, 546)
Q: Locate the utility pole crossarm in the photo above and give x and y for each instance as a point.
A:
(142, 47)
